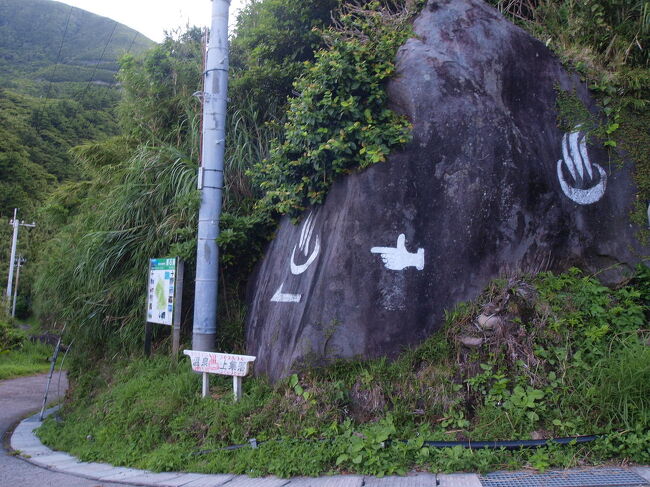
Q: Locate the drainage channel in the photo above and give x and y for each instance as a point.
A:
(593, 477)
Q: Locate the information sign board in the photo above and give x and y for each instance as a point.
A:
(162, 290)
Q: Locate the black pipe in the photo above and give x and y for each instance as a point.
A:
(472, 445)
(511, 444)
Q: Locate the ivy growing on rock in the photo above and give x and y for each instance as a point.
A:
(340, 122)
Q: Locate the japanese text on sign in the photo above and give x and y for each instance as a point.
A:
(219, 363)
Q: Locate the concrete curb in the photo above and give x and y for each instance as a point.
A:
(29, 447)
(25, 442)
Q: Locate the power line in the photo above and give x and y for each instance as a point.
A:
(101, 58)
(132, 42)
(58, 56)
(39, 112)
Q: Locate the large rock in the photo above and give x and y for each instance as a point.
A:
(488, 186)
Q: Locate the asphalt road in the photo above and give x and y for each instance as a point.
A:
(19, 398)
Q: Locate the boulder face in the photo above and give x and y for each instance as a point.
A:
(489, 186)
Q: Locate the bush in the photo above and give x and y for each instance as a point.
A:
(11, 338)
(340, 121)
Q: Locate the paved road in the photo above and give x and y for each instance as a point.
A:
(18, 398)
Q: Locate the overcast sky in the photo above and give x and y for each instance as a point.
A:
(153, 17)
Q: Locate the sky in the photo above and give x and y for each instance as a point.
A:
(153, 17)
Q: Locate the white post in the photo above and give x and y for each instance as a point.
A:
(12, 259)
(14, 244)
(13, 307)
(215, 97)
(206, 385)
(237, 387)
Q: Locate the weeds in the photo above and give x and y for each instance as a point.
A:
(26, 359)
(560, 356)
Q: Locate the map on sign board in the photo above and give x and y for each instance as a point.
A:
(161, 286)
(219, 363)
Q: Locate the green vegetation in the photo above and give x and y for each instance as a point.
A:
(11, 338)
(36, 137)
(58, 67)
(42, 40)
(606, 42)
(112, 183)
(30, 359)
(340, 121)
(274, 38)
(141, 201)
(562, 356)
(18, 355)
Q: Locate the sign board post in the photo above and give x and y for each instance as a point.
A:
(206, 363)
(178, 300)
(164, 299)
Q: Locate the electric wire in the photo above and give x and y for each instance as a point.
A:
(39, 112)
(58, 56)
(101, 58)
(132, 42)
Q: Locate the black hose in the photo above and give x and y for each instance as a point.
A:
(472, 445)
(511, 444)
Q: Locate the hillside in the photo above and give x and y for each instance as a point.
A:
(58, 67)
(51, 41)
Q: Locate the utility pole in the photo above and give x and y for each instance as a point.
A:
(215, 98)
(14, 243)
(19, 262)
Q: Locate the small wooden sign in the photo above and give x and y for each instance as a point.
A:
(206, 363)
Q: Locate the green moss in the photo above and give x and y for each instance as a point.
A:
(572, 112)
(634, 141)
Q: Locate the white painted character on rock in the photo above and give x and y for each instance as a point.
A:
(303, 245)
(587, 186)
(398, 258)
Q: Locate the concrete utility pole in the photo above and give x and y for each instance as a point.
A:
(215, 99)
(19, 262)
(14, 243)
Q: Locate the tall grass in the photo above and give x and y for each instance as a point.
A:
(94, 275)
(142, 203)
(248, 139)
(605, 37)
(622, 385)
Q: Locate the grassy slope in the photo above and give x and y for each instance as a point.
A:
(18, 355)
(579, 365)
(32, 358)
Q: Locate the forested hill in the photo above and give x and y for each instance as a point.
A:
(58, 89)
(57, 72)
(52, 41)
